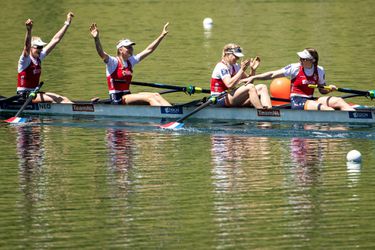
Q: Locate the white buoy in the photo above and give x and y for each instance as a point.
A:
(354, 156)
(207, 23)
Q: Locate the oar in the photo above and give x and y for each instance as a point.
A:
(17, 118)
(369, 93)
(179, 123)
(189, 89)
(11, 98)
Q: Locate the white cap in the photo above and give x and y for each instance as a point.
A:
(305, 55)
(124, 43)
(235, 51)
(36, 41)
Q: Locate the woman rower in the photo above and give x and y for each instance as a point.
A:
(29, 64)
(227, 74)
(119, 70)
(306, 72)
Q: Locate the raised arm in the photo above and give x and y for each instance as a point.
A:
(151, 48)
(95, 34)
(27, 46)
(265, 76)
(60, 34)
(232, 81)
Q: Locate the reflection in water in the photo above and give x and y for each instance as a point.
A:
(354, 171)
(238, 172)
(30, 152)
(120, 146)
(230, 154)
(306, 154)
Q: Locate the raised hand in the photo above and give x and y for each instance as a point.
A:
(29, 24)
(69, 17)
(245, 64)
(165, 29)
(94, 30)
(254, 63)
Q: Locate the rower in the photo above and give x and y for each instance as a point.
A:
(228, 73)
(29, 64)
(119, 70)
(303, 74)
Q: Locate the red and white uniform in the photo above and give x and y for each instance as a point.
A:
(117, 69)
(221, 71)
(29, 71)
(301, 78)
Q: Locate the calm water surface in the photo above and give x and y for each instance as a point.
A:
(98, 184)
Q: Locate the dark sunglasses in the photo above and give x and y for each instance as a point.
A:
(235, 50)
(38, 47)
(305, 60)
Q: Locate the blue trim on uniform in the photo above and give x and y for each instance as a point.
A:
(116, 98)
(298, 102)
(220, 102)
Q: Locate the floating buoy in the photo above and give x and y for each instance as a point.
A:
(354, 156)
(207, 23)
(280, 88)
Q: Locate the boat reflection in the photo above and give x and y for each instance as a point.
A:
(30, 152)
(120, 152)
(306, 154)
(237, 159)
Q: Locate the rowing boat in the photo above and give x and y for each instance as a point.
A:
(364, 115)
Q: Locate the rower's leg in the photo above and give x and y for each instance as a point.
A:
(336, 103)
(265, 98)
(316, 105)
(245, 95)
(160, 99)
(153, 99)
(51, 97)
(254, 97)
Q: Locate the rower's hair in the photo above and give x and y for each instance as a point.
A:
(229, 47)
(314, 54)
(118, 50)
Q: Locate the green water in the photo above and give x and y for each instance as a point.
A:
(78, 184)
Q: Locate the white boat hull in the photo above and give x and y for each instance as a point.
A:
(365, 116)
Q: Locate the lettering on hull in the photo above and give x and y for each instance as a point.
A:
(269, 112)
(11, 106)
(171, 110)
(83, 107)
(360, 115)
(44, 106)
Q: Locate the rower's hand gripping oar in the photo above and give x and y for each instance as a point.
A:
(179, 123)
(188, 90)
(369, 93)
(32, 95)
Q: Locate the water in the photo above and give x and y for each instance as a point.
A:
(99, 183)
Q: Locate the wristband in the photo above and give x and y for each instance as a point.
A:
(66, 23)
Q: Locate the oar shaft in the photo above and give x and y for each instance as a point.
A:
(159, 85)
(346, 90)
(10, 99)
(207, 103)
(352, 91)
(29, 98)
(212, 99)
(188, 89)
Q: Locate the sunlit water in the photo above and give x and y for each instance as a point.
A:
(66, 182)
(77, 183)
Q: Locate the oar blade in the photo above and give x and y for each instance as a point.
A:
(16, 120)
(172, 125)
